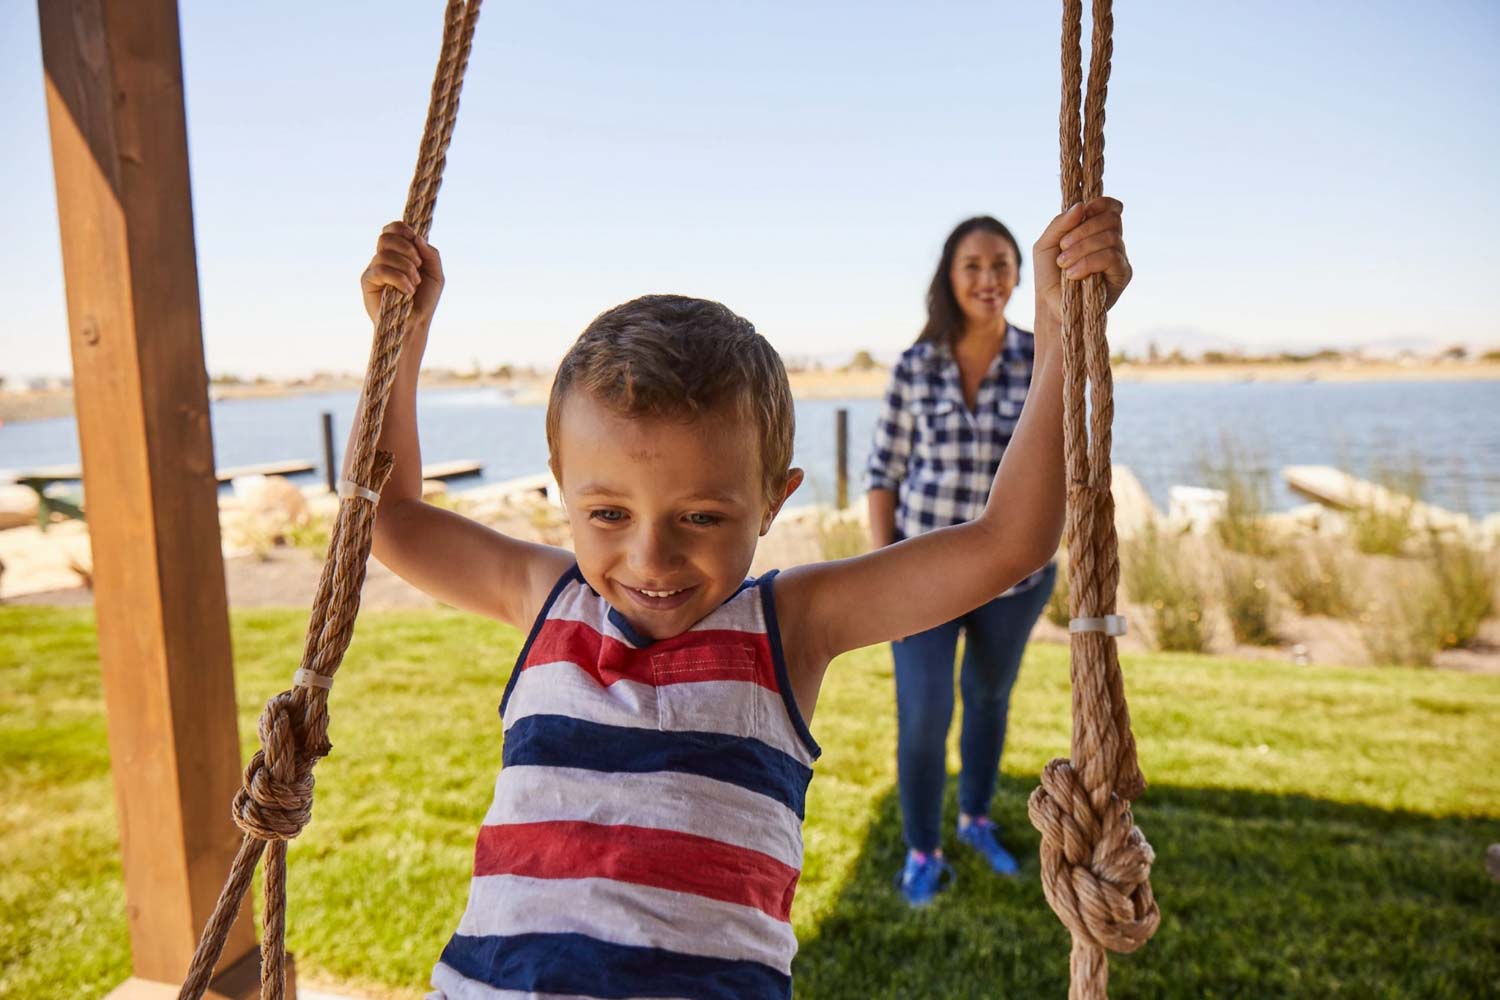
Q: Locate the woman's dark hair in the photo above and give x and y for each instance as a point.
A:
(945, 320)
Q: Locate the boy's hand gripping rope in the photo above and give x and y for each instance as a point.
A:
(1096, 863)
(275, 801)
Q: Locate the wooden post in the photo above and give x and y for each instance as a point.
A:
(330, 471)
(841, 434)
(119, 153)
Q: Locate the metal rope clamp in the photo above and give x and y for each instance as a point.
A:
(311, 679)
(1108, 624)
(349, 488)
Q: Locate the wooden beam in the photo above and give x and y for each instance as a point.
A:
(119, 152)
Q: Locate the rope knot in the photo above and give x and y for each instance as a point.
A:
(1096, 863)
(275, 799)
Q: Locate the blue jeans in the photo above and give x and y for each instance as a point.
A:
(995, 638)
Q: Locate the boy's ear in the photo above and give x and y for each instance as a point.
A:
(793, 480)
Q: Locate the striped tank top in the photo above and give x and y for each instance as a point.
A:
(645, 837)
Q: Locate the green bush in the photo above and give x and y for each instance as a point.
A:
(1157, 575)
(1249, 602)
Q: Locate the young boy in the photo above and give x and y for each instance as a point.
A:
(645, 834)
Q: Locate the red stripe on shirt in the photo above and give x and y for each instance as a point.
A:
(707, 655)
(662, 859)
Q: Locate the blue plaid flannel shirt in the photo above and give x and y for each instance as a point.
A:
(936, 456)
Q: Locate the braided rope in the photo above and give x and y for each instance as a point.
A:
(274, 802)
(1096, 864)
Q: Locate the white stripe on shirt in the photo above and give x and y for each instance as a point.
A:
(736, 708)
(720, 811)
(622, 913)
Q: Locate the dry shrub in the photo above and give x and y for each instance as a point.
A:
(841, 537)
(1318, 579)
(1159, 575)
(1245, 479)
(1249, 602)
(548, 524)
(1462, 591)
(313, 535)
(1057, 610)
(1432, 604)
(258, 536)
(1386, 529)
(1398, 628)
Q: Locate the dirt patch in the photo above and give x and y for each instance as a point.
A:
(286, 576)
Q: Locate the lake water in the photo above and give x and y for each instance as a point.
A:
(1165, 432)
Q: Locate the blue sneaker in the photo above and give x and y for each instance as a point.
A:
(922, 878)
(980, 835)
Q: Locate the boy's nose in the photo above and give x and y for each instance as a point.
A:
(654, 554)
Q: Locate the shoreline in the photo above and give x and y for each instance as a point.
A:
(17, 406)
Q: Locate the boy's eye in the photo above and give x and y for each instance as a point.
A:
(703, 520)
(607, 516)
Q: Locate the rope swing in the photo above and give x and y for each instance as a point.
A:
(275, 801)
(1096, 863)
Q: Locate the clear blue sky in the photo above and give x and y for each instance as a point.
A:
(1295, 174)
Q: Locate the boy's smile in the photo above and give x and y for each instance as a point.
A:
(665, 511)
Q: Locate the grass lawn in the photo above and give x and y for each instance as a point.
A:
(1318, 831)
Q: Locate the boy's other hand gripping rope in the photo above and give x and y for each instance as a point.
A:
(1096, 863)
(275, 801)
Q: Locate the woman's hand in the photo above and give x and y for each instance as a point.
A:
(1086, 239)
(408, 263)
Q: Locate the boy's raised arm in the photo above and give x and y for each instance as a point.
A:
(454, 559)
(911, 586)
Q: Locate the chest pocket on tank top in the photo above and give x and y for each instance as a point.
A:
(707, 689)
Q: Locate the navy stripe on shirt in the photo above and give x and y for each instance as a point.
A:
(560, 741)
(578, 964)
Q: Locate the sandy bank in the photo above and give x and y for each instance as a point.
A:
(18, 405)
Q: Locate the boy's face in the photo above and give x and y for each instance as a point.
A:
(665, 513)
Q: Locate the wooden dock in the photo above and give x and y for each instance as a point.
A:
(49, 473)
(440, 471)
(287, 468)
(74, 473)
(1338, 489)
(460, 469)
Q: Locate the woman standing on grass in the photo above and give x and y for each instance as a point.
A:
(951, 406)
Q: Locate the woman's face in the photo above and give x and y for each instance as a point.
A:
(984, 273)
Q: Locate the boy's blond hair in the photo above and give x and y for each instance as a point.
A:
(678, 357)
